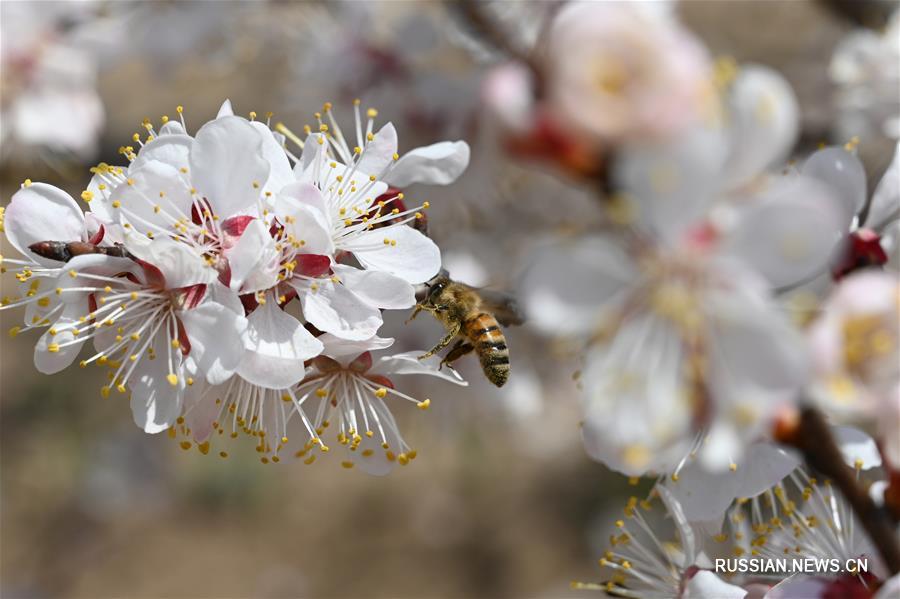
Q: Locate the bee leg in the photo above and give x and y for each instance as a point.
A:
(442, 343)
(456, 352)
(415, 313)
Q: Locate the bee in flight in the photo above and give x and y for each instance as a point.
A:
(474, 316)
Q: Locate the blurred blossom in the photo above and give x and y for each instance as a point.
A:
(854, 344)
(686, 328)
(644, 560)
(624, 70)
(50, 108)
(865, 68)
(802, 517)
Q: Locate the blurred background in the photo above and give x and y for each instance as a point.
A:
(502, 501)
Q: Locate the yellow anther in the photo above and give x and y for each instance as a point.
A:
(423, 405)
(53, 348)
(347, 465)
(173, 379)
(380, 392)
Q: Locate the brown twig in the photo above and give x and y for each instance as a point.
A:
(813, 437)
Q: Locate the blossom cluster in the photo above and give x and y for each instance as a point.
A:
(727, 290)
(230, 286)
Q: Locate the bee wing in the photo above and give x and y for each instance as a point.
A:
(504, 307)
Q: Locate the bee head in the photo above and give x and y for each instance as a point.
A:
(434, 292)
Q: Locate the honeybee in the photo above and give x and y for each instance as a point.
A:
(474, 316)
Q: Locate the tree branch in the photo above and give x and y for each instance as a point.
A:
(813, 437)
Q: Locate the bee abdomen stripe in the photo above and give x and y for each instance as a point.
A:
(495, 359)
(493, 345)
(485, 330)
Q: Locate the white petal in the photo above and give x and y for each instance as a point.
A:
(671, 184)
(757, 363)
(567, 287)
(254, 261)
(173, 149)
(885, 205)
(762, 467)
(215, 329)
(858, 448)
(49, 362)
(843, 173)
(338, 348)
(333, 308)
(765, 121)
(41, 212)
(414, 257)
(685, 532)
(438, 164)
(379, 153)
(890, 589)
(227, 165)
(180, 264)
(155, 402)
(796, 587)
(276, 345)
(791, 234)
(225, 109)
(303, 212)
(154, 198)
(378, 289)
(637, 415)
(409, 363)
(280, 173)
(706, 585)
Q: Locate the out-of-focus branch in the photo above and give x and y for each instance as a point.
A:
(813, 437)
(492, 33)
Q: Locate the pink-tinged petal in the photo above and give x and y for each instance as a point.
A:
(201, 409)
(41, 212)
(180, 264)
(789, 235)
(155, 402)
(192, 296)
(379, 289)
(173, 149)
(215, 330)
(254, 260)
(559, 302)
(227, 166)
(312, 265)
(280, 171)
(706, 585)
(277, 346)
(333, 308)
(844, 174)
(379, 152)
(438, 164)
(234, 226)
(153, 198)
(398, 250)
(361, 363)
